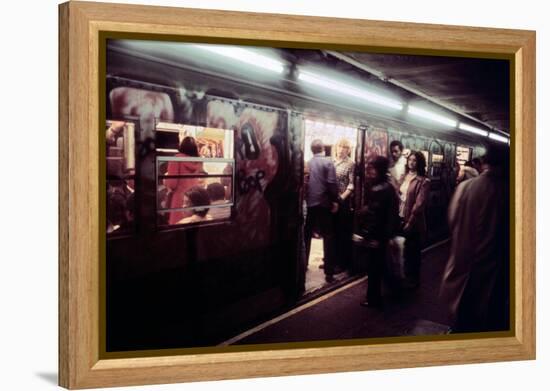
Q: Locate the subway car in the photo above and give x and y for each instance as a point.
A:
(184, 271)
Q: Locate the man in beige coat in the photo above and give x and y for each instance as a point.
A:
(476, 279)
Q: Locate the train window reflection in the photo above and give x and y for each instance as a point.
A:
(210, 142)
(195, 180)
(120, 167)
(207, 200)
(120, 148)
(193, 167)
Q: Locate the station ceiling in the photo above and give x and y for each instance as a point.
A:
(479, 88)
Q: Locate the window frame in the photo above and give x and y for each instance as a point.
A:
(230, 205)
(133, 177)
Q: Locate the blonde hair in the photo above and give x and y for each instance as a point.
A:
(343, 142)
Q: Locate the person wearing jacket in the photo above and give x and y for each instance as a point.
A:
(321, 199)
(413, 198)
(476, 280)
(378, 222)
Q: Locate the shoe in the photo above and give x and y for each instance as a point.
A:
(329, 278)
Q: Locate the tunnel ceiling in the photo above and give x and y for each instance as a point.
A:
(476, 87)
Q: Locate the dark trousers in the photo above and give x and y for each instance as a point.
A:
(413, 255)
(485, 302)
(376, 258)
(343, 230)
(321, 218)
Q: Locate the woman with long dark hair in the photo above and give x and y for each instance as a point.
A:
(413, 198)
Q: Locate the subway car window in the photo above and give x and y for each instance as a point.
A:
(121, 169)
(331, 133)
(195, 180)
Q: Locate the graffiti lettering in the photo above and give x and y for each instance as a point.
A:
(252, 149)
(147, 146)
(251, 182)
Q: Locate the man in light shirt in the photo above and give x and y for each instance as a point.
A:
(398, 162)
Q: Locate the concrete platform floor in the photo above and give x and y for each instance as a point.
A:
(315, 276)
(337, 315)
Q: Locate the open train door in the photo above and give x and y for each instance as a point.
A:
(312, 277)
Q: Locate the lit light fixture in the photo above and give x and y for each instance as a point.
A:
(245, 56)
(342, 88)
(498, 137)
(471, 129)
(432, 116)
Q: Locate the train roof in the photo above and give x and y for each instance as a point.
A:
(473, 92)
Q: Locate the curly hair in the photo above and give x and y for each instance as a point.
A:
(398, 143)
(381, 165)
(198, 197)
(216, 191)
(420, 163)
(344, 143)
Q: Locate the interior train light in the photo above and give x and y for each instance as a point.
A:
(432, 116)
(498, 137)
(342, 88)
(245, 56)
(471, 129)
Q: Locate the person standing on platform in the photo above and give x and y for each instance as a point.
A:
(345, 176)
(321, 201)
(414, 196)
(476, 279)
(378, 222)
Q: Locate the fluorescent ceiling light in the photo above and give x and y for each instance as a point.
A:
(245, 56)
(333, 85)
(471, 129)
(498, 137)
(432, 116)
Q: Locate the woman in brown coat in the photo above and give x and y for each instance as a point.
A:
(413, 198)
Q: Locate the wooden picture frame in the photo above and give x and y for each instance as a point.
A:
(80, 365)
